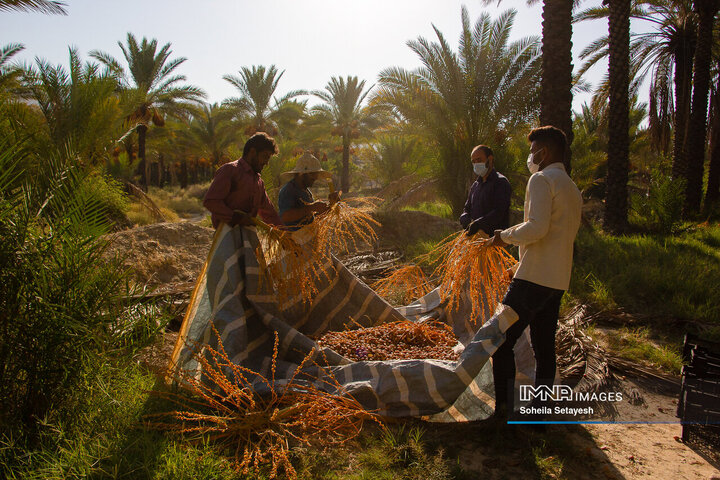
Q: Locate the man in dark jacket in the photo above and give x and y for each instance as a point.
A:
(488, 204)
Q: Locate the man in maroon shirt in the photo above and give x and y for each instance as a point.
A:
(237, 186)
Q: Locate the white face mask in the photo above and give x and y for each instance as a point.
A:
(480, 169)
(533, 167)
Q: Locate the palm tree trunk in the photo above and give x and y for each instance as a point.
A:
(618, 122)
(345, 177)
(194, 174)
(556, 82)
(713, 186)
(183, 173)
(695, 141)
(154, 173)
(161, 170)
(142, 131)
(683, 85)
(129, 148)
(172, 173)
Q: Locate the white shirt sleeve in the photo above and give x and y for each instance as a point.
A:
(539, 209)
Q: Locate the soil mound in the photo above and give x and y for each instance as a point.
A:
(163, 254)
(167, 255)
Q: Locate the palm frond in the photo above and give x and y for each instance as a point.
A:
(8, 51)
(593, 13)
(43, 6)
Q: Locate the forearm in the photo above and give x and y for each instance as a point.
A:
(270, 216)
(490, 221)
(295, 214)
(524, 233)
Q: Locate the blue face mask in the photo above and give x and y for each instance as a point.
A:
(480, 169)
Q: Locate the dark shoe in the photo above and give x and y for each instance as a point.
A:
(499, 418)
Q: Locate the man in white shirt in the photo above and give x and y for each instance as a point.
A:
(551, 220)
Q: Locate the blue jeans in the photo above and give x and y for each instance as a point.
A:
(538, 307)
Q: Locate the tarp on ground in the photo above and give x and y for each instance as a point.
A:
(229, 294)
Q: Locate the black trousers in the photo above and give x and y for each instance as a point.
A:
(538, 307)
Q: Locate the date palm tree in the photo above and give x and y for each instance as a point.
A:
(343, 107)
(395, 154)
(694, 152)
(479, 94)
(11, 91)
(149, 88)
(616, 197)
(210, 132)
(79, 105)
(256, 104)
(556, 81)
(712, 194)
(665, 52)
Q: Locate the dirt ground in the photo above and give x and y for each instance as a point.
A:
(589, 452)
(173, 253)
(163, 254)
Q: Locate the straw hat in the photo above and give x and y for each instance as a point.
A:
(308, 163)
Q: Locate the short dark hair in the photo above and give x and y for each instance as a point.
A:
(261, 142)
(485, 149)
(550, 137)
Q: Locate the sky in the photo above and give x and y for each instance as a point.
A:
(311, 40)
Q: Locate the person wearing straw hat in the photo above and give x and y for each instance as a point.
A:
(296, 204)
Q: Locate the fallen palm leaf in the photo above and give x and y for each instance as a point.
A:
(224, 406)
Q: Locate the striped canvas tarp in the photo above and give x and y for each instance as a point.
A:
(230, 295)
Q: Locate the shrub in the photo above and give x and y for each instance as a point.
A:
(183, 202)
(198, 190)
(660, 207)
(109, 193)
(59, 300)
(122, 167)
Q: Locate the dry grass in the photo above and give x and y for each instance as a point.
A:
(258, 429)
(139, 214)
